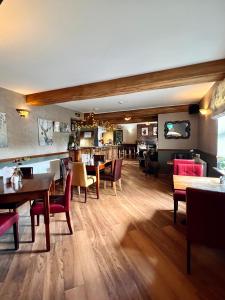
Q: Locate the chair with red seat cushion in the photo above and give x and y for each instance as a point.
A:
(115, 175)
(176, 162)
(58, 204)
(8, 220)
(205, 220)
(185, 170)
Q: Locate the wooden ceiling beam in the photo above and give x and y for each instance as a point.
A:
(186, 75)
(147, 114)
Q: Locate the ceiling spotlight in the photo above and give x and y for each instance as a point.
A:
(127, 118)
(120, 102)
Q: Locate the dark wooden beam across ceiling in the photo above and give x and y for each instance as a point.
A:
(139, 115)
(187, 75)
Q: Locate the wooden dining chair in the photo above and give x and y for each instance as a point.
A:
(184, 170)
(7, 220)
(114, 176)
(205, 220)
(81, 179)
(27, 172)
(57, 204)
(99, 157)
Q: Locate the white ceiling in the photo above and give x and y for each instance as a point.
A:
(155, 98)
(52, 44)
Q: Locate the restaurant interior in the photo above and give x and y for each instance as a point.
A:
(112, 150)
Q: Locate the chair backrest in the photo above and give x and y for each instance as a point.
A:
(79, 177)
(55, 168)
(65, 162)
(190, 169)
(99, 157)
(27, 172)
(117, 169)
(206, 217)
(181, 161)
(67, 195)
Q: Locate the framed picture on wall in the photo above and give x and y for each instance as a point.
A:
(155, 130)
(64, 127)
(56, 126)
(45, 132)
(3, 130)
(144, 131)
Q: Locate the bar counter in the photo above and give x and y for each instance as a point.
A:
(110, 152)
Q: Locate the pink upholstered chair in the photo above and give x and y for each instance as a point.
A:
(205, 220)
(181, 161)
(8, 220)
(58, 204)
(185, 170)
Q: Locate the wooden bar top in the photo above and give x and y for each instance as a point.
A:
(203, 183)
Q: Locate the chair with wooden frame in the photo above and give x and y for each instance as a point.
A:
(58, 204)
(114, 176)
(81, 179)
(27, 172)
(8, 220)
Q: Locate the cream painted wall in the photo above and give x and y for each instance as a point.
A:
(191, 143)
(208, 127)
(23, 133)
(208, 131)
(129, 133)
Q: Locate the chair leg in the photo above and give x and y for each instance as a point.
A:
(32, 228)
(71, 192)
(97, 189)
(16, 235)
(69, 222)
(175, 212)
(38, 220)
(114, 187)
(85, 195)
(120, 184)
(104, 184)
(78, 190)
(188, 257)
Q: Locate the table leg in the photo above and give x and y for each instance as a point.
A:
(47, 220)
(97, 181)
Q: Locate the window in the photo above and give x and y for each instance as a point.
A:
(221, 143)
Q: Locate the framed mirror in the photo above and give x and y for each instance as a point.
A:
(177, 129)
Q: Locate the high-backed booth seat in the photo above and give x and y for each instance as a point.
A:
(176, 162)
(190, 169)
(58, 204)
(7, 220)
(80, 177)
(114, 176)
(205, 220)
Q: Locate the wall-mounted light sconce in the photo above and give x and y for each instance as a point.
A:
(204, 111)
(23, 112)
(127, 118)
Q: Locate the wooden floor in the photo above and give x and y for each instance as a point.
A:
(123, 247)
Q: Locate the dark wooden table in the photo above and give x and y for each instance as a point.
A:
(97, 168)
(37, 187)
